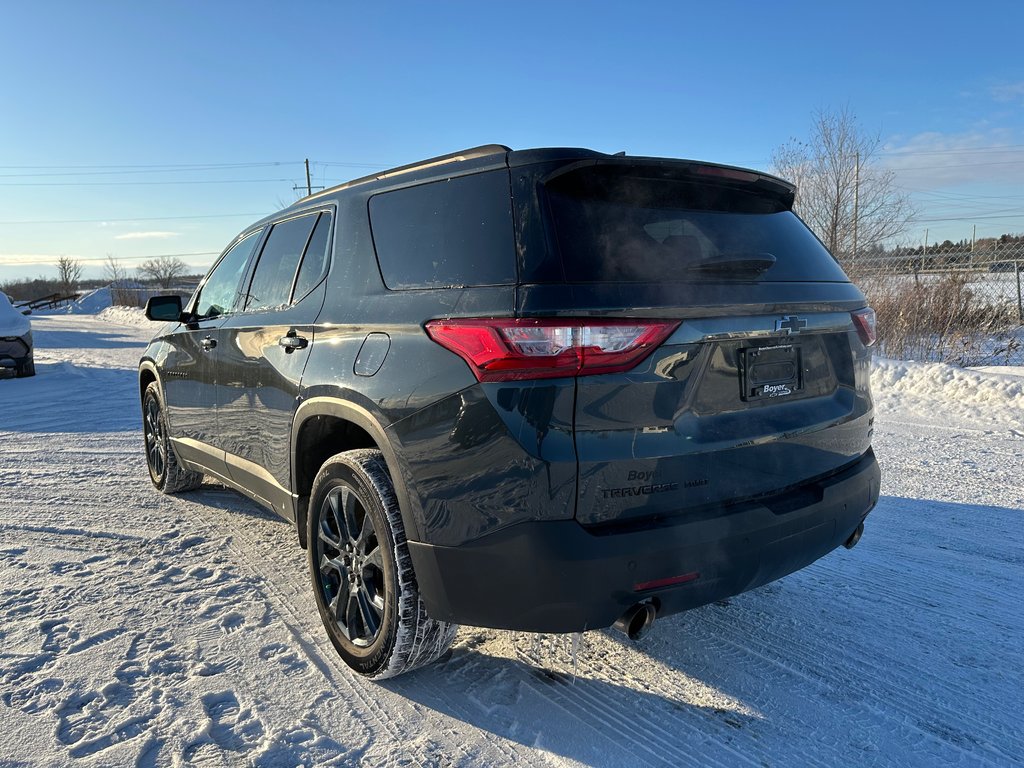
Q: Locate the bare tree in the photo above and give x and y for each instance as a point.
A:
(117, 275)
(113, 270)
(163, 269)
(843, 194)
(69, 272)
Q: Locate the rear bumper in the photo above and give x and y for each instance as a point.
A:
(560, 577)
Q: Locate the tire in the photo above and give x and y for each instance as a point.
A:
(362, 575)
(25, 369)
(164, 470)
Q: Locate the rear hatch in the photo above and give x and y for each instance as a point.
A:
(762, 385)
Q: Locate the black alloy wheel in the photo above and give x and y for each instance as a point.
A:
(156, 439)
(164, 470)
(362, 573)
(352, 570)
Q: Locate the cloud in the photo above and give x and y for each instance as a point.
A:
(1008, 91)
(145, 235)
(933, 159)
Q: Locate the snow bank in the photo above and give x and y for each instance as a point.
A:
(92, 302)
(124, 315)
(949, 384)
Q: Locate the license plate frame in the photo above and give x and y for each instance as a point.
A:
(771, 373)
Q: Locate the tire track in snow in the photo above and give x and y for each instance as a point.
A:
(649, 731)
(307, 635)
(893, 688)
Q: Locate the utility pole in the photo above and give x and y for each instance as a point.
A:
(974, 235)
(309, 182)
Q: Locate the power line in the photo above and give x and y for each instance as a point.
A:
(141, 218)
(135, 183)
(986, 212)
(88, 170)
(34, 260)
(956, 196)
(972, 218)
(125, 172)
(382, 166)
(157, 165)
(955, 165)
(955, 151)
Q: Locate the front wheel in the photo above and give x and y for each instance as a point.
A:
(362, 573)
(164, 470)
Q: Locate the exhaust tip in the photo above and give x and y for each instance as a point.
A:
(851, 542)
(637, 621)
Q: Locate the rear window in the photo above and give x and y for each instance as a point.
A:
(447, 233)
(616, 224)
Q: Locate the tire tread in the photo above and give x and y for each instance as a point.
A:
(419, 640)
(176, 478)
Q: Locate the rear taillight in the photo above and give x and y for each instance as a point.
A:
(864, 320)
(508, 350)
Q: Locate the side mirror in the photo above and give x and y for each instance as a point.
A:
(164, 308)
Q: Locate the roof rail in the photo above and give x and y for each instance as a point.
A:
(466, 154)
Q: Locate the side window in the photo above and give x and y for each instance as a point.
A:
(219, 290)
(314, 263)
(447, 233)
(271, 284)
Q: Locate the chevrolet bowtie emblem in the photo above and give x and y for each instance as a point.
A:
(790, 324)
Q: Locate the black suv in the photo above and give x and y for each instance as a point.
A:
(547, 390)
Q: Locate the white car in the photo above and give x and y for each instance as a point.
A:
(15, 341)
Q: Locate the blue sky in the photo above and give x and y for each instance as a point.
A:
(142, 129)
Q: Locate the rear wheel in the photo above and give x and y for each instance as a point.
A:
(167, 475)
(362, 574)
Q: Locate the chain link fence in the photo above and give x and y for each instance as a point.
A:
(135, 296)
(954, 304)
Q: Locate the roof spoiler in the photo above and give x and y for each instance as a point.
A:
(724, 174)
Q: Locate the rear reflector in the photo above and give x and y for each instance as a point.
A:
(509, 350)
(864, 320)
(670, 581)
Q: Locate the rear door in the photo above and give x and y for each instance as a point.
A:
(265, 350)
(763, 384)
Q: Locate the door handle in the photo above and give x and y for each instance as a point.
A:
(292, 341)
(208, 343)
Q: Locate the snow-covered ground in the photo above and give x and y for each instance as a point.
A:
(140, 629)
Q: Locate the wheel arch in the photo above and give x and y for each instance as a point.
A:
(147, 375)
(325, 426)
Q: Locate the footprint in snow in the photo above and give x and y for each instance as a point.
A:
(290, 661)
(36, 697)
(232, 622)
(57, 636)
(232, 728)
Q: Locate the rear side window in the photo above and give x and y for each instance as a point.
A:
(271, 284)
(619, 225)
(448, 233)
(314, 263)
